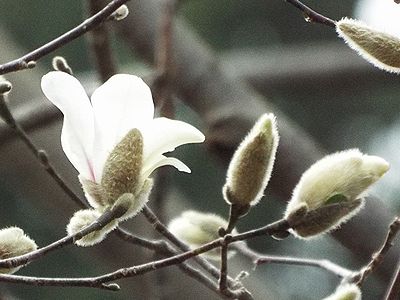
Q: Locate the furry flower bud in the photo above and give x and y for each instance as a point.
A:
(13, 242)
(346, 292)
(59, 63)
(196, 229)
(83, 218)
(5, 86)
(332, 189)
(379, 48)
(121, 13)
(122, 170)
(251, 166)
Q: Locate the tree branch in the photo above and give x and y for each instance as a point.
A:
(99, 281)
(162, 247)
(163, 230)
(102, 221)
(259, 259)
(24, 62)
(40, 154)
(311, 15)
(378, 257)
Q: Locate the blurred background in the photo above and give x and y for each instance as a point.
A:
(302, 70)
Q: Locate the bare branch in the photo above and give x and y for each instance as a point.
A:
(40, 154)
(61, 282)
(311, 15)
(25, 61)
(378, 257)
(393, 291)
(259, 259)
(163, 230)
(102, 221)
(162, 247)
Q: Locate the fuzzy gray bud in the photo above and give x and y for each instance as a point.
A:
(251, 166)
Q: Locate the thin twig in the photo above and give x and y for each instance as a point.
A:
(163, 230)
(223, 286)
(311, 15)
(99, 41)
(87, 25)
(102, 221)
(258, 259)
(40, 154)
(393, 291)
(240, 293)
(377, 257)
(61, 282)
(164, 248)
(235, 212)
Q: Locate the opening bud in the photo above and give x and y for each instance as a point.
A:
(251, 165)
(331, 191)
(13, 242)
(83, 218)
(135, 203)
(379, 48)
(346, 292)
(196, 229)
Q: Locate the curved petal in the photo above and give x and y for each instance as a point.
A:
(164, 135)
(77, 135)
(119, 105)
(164, 161)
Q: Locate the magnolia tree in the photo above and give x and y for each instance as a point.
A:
(116, 141)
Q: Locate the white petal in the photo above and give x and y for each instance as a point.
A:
(164, 135)
(119, 105)
(77, 136)
(163, 161)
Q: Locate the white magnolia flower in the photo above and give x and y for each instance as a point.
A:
(115, 137)
(93, 128)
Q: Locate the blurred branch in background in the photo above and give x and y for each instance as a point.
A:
(313, 66)
(99, 43)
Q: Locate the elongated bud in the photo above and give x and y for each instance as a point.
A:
(346, 292)
(379, 48)
(342, 179)
(83, 218)
(122, 170)
(251, 166)
(13, 242)
(196, 229)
